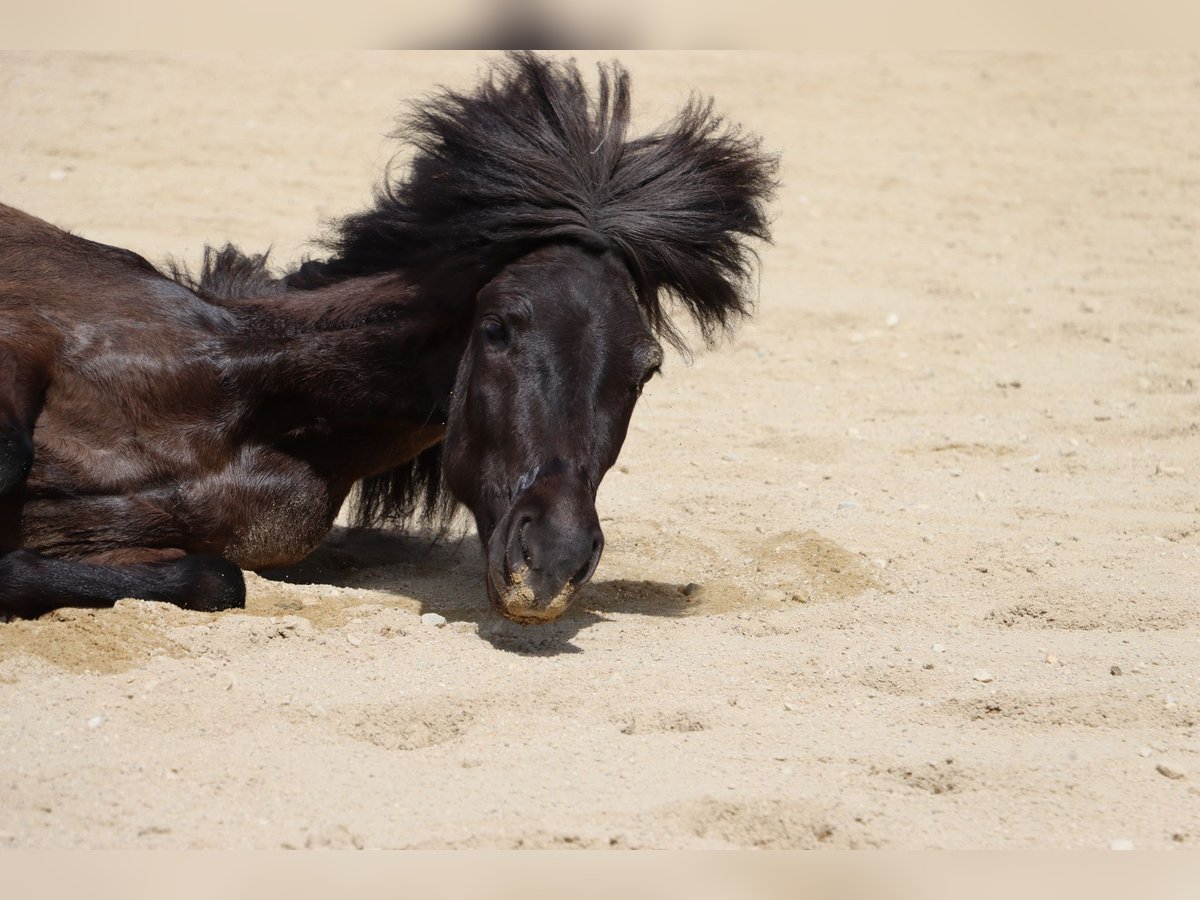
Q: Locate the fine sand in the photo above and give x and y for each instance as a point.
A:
(941, 495)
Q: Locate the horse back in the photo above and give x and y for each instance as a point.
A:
(32, 245)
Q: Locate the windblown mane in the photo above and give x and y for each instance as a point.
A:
(531, 156)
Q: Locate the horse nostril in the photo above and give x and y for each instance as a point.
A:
(589, 567)
(525, 554)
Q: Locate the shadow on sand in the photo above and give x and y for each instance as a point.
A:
(445, 575)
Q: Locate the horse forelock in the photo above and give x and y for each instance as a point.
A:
(531, 156)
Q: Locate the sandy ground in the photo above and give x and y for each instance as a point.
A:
(942, 495)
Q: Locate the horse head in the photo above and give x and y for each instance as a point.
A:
(527, 207)
(557, 358)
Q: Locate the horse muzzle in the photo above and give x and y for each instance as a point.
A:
(544, 548)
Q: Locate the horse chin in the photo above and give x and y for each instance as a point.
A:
(515, 600)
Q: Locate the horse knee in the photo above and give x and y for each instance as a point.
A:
(210, 584)
(17, 567)
(16, 456)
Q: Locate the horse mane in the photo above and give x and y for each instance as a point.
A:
(227, 274)
(531, 156)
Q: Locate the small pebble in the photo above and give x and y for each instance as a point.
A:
(355, 641)
(799, 597)
(1168, 771)
(1145, 752)
(1115, 670)
(95, 721)
(1120, 844)
(790, 707)
(434, 619)
(939, 648)
(692, 589)
(1169, 471)
(1051, 658)
(57, 174)
(892, 320)
(847, 504)
(983, 675)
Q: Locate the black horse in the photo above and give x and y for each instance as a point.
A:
(479, 336)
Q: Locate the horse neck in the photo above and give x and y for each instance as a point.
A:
(335, 306)
(366, 350)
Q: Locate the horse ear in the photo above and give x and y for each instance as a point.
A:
(696, 197)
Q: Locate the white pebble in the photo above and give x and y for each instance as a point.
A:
(433, 619)
(892, 320)
(57, 174)
(983, 675)
(1145, 752)
(353, 640)
(95, 721)
(1120, 844)
(939, 648)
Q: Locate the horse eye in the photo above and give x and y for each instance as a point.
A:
(495, 333)
(650, 373)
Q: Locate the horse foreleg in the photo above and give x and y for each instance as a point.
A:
(32, 585)
(22, 390)
(16, 456)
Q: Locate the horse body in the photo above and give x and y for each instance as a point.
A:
(480, 336)
(170, 423)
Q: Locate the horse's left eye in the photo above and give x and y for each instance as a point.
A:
(495, 333)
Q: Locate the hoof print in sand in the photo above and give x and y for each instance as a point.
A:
(402, 727)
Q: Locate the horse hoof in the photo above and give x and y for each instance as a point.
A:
(211, 584)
